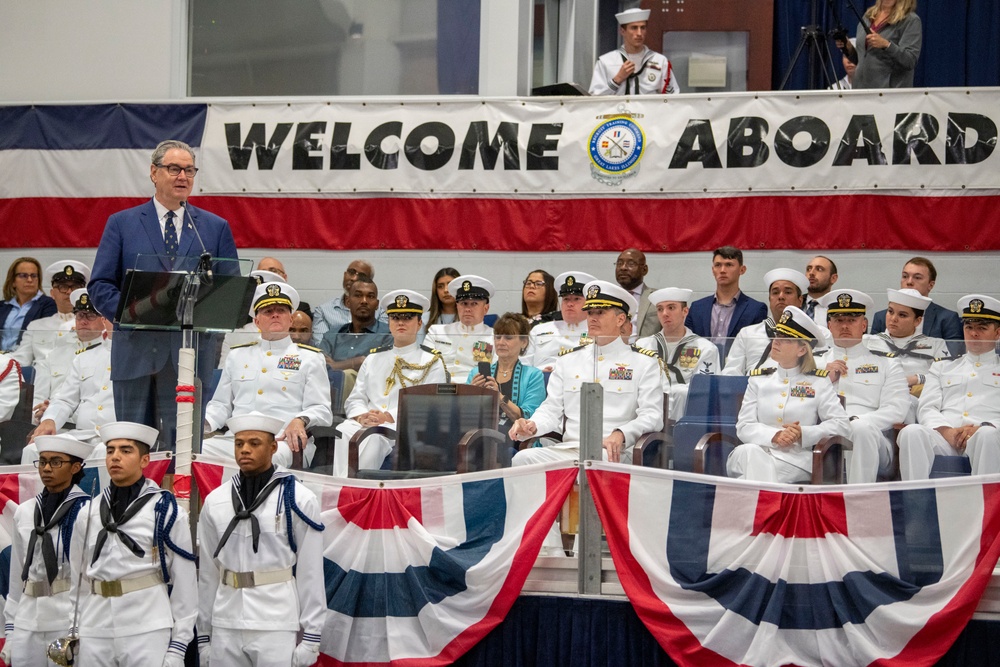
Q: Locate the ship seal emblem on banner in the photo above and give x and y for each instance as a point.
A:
(616, 146)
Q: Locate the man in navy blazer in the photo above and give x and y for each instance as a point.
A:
(735, 309)
(939, 322)
(144, 363)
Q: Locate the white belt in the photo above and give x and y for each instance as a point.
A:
(254, 579)
(42, 589)
(119, 587)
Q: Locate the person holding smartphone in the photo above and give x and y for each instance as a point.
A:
(522, 388)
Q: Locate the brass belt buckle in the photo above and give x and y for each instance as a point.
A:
(111, 589)
(243, 580)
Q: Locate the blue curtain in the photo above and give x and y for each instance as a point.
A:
(458, 47)
(543, 630)
(960, 45)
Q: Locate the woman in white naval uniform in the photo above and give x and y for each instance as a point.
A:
(374, 399)
(787, 409)
(39, 608)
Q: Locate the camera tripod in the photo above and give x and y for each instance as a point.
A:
(814, 42)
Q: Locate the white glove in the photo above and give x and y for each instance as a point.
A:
(204, 653)
(5, 653)
(306, 654)
(172, 659)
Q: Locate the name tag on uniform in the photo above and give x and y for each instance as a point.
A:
(803, 391)
(866, 368)
(620, 373)
(291, 362)
(689, 357)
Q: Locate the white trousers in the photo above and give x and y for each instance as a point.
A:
(678, 401)
(753, 462)
(142, 650)
(872, 453)
(28, 647)
(221, 446)
(919, 444)
(371, 454)
(252, 648)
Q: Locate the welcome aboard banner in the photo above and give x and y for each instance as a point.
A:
(830, 169)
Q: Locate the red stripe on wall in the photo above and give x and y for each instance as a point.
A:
(874, 222)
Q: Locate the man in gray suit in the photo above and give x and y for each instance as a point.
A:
(630, 270)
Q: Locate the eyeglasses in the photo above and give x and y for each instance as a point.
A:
(356, 273)
(86, 315)
(26, 276)
(64, 288)
(54, 464)
(176, 169)
(627, 263)
(534, 283)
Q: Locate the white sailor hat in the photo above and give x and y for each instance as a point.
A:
(670, 294)
(797, 278)
(602, 294)
(129, 431)
(255, 421)
(404, 301)
(846, 302)
(270, 293)
(64, 444)
(81, 301)
(572, 282)
(264, 276)
(795, 323)
(632, 15)
(979, 307)
(910, 298)
(68, 271)
(471, 287)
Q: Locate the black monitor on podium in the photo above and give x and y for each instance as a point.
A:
(154, 291)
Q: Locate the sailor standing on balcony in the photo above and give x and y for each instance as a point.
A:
(633, 69)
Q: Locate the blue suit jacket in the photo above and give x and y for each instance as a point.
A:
(939, 322)
(128, 234)
(44, 306)
(747, 313)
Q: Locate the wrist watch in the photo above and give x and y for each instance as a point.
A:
(305, 421)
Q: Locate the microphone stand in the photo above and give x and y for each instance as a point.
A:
(187, 384)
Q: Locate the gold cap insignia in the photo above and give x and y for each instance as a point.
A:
(84, 299)
(570, 281)
(466, 285)
(844, 300)
(402, 301)
(785, 316)
(593, 292)
(273, 290)
(976, 306)
(68, 270)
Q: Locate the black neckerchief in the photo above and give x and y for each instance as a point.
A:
(122, 497)
(50, 502)
(49, 513)
(251, 485)
(243, 511)
(115, 497)
(769, 331)
(907, 350)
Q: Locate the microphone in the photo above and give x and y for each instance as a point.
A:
(205, 261)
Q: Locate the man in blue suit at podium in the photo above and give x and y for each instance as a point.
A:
(144, 363)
